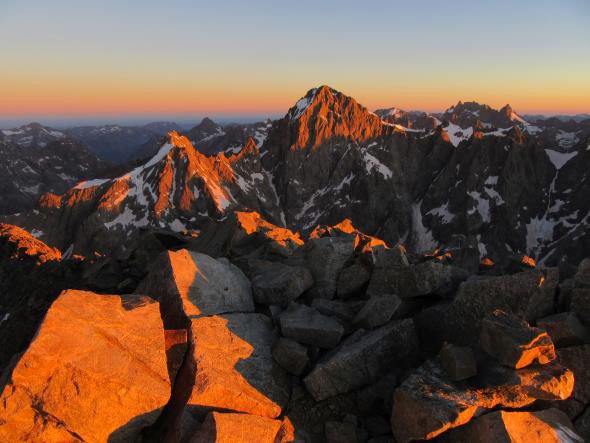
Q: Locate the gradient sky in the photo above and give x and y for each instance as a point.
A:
(134, 59)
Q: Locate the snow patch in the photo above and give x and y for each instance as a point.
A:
(443, 212)
(560, 158)
(301, 105)
(91, 183)
(482, 206)
(457, 134)
(373, 163)
(422, 238)
(491, 180)
(177, 226)
(36, 233)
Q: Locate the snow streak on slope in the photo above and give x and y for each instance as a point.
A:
(560, 158)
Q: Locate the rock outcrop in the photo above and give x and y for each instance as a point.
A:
(263, 345)
(96, 371)
(427, 403)
(362, 359)
(233, 365)
(529, 295)
(513, 342)
(551, 426)
(190, 284)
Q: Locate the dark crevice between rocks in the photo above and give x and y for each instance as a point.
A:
(38, 407)
(181, 370)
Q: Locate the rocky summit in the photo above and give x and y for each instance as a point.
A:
(337, 275)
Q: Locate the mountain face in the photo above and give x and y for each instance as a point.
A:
(32, 135)
(408, 119)
(210, 138)
(178, 189)
(35, 160)
(119, 143)
(473, 176)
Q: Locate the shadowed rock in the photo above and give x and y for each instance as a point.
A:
(577, 359)
(427, 403)
(581, 304)
(97, 366)
(459, 321)
(242, 428)
(411, 281)
(458, 362)
(277, 283)
(306, 325)
(582, 424)
(383, 257)
(377, 311)
(325, 257)
(582, 277)
(352, 280)
(513, 342)
(190, 284)
(337, 432)
(291, 355)
(364, 359)
(565, 329)
(550, 426)
(234, 369)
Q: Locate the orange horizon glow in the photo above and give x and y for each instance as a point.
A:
(108, 99)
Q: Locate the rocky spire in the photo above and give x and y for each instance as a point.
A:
(325, 113)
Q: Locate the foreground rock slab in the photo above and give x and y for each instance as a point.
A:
(364, 359)
(233, 366)
(241, 428)
(95, 371)
(551, 426)
(190, 284)
(513, 342)
(459, 321)
(427, 403)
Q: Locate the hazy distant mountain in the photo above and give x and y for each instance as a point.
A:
(563, 117)
(118, 143)
(209, 137)
(488, 177)
(35, 159)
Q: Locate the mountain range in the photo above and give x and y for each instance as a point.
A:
(471, 177)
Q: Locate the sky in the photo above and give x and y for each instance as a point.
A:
(91, 61)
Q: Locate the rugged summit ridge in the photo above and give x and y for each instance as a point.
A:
(324, 114)
(176, 189)
(474, 176)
